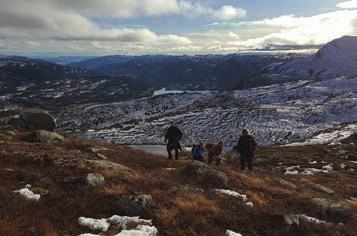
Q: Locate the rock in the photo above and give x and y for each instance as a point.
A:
(320, 188)
(297, 220)
(352, 157)
(342, 152)
(327, 203)
(105, 165)
(47, 136)
(336, 209)
(96, 149)
(94, 179)
(10, 132)
(135, 205)
(101, 156)
(37, 119)
(288, 184)
(208, 175)
(41, 191)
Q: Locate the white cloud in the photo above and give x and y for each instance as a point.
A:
(20, 20)
(318, 29)
(32, 44)
(137, 8)
(2, 45)
(228, 12)
(348, 4)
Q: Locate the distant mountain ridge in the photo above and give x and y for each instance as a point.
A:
(32, 82)
(202, 72)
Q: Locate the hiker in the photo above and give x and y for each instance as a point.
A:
(197, 152)
(214, 153)
(246, 146)
(173, 137)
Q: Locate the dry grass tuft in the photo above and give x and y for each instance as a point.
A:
(49, 230)
(193, 202)
(114, 190)
(257, 199)
(8, 228)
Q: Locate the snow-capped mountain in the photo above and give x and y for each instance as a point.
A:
(337, 58)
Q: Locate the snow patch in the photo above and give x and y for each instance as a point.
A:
(296, 170)
(124, 221)
(144, 227)
(334, 137)
(94, 224)
(28, 194)
(232, 233)
(140, 230)
(233, 193)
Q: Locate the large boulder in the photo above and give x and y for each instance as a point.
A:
(94, 179)
(47, 136)
(206, 175)
(37, 119)
(320, 188)
(135, 205)
(338, 209)
(112, 167)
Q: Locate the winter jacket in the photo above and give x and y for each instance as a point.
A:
(246, 145)
(216, 150)
(197, 151)
(173, 134)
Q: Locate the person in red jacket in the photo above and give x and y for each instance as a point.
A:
(214, 153)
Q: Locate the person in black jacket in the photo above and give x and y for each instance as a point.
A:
(173, 137)
(246, 147)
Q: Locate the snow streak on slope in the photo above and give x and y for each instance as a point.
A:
(276, 114)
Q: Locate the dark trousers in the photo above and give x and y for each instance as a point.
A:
(246, 159)
(198, 158)
(173, 145)
(176, 154)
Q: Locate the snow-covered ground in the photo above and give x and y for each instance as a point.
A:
(276, 114)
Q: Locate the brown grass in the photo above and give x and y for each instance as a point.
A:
(180, 207)
(116, 190)
(193, 202)
(257, 199)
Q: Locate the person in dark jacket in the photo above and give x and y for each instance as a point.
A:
(246, 147)
(197, 152)
(214, 153)
(173, 137)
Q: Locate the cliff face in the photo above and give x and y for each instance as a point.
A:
(305, 190)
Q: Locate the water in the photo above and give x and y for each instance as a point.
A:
(161, 149)
(154, 149)
(164, 91)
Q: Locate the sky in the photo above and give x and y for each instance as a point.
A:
(133, 27)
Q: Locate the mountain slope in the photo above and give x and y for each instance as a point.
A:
(337, 58)
(262, 203)
(30, 83)
(206, 72)
(277, 114)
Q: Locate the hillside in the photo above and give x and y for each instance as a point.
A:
(27, 82)
(276, 114)
(336, 58)
(201, 72)
(313, 186)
